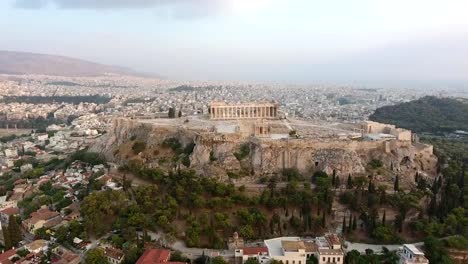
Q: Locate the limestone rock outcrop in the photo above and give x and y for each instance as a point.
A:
(214, 153)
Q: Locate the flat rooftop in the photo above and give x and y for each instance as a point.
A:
(292, 245)
(413, 249)
(274, 245)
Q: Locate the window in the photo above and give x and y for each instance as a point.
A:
(328, 259)
(323, 259)
(338, 259)
(333, 259)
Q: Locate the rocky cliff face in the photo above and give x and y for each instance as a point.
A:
(214, 154)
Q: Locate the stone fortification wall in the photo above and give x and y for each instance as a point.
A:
(267, 156)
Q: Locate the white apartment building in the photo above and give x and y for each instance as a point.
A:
(293, 250)
(329, 250)
(259, 253)
(410, 254)
(289, 250)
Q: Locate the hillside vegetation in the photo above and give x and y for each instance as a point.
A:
(428, 114)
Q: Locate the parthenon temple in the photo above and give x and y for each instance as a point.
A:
(219, 111)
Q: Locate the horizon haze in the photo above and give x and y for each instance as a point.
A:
(294, 41)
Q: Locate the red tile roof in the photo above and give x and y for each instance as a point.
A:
(10, 211)
(255, 250)
(114, 253)
(44, 214)
(154, 256)
(5, 257)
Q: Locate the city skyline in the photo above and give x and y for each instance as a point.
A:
(275, 40)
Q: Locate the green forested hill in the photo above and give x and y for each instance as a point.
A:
(428, 114)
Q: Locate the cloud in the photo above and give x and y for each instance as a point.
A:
(30, 4)
(176, 8)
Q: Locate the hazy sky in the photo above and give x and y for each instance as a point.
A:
(274, 40)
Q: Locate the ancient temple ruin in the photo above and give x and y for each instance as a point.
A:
(220, 111)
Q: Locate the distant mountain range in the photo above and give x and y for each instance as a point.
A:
(33, 63)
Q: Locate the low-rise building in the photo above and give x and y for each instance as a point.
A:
(329, 249)
(259, 253)
(114, 255)
(410, 254)
(36, 246)
(65, 256)
(7, 256)
(6, 213)
(154, 256)
(42, 218)
(289, 250)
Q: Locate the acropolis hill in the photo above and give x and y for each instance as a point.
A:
(271, 145)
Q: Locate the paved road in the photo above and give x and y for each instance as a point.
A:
(361, 247)
(193, 253)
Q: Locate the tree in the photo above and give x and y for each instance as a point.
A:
(333, 177)
(252, 261)
(396, 184)
(14, 230)
(177, 256)
(324, 219)
(312, 260)
(353, 257)
(383, 218)
(203, 259)
(138, 146)
(354, 223)
(343, 227)
(95, 256)
(349, 184)
(179, 114)
(171, 113)
(100, 209)
(218, 260)
(6, 239)
(337, 182)
(384, 234)
(435, 251)
(382, 190)
(350, 224)
(126, 183)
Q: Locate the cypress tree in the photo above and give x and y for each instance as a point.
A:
(171, 113)
(396, 185)
(14, 230)
(6, 238)
(324, 220)
(383, 218)
(333, 178)
(461, 180)
(350, 224)
(350, 182)
(371, 187)
(354, 223)
(416, 177)
(343, 227)
(337, 182)
(180, 114)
